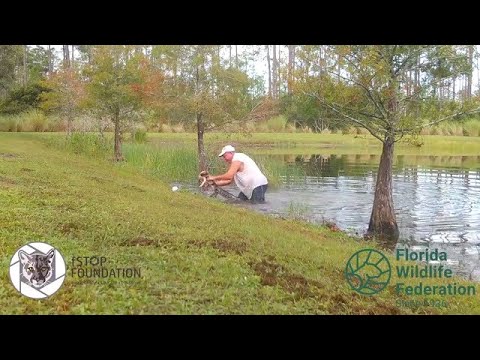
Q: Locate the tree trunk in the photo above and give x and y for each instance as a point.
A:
(269, 72)
(407, 82)
(453, 83)
(175, 69)
(66, 56)
(202, 157)
(478, 74)
(236, 56)
(50, 60)
(69, 124)
(320, 61)
(383, 223)
(338, 67)
(279, 72)
(291, 67)
(470, 73)
(118, 140)
(417, 84)
(73, 55)
(274, 73)
(24, 65)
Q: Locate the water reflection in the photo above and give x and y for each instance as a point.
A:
(356, 164)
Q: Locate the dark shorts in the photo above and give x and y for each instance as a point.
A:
(258, 194)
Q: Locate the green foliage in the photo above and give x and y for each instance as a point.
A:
(202, 83)
(92, 145)
(277, 123)
(23, 99)
(37, 60)
(115, 91)
(471, 127)
(67, 93)
(372, 93)
(10, 57)
(306, 111)
(113, 74)
(140, 136)
(169, 163)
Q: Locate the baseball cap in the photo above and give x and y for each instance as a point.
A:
(228, 148)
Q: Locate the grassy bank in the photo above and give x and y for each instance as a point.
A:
(196, 255)
(172, 162)
(329, 143)
(280, 143)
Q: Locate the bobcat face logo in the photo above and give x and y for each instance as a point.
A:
(37, 268)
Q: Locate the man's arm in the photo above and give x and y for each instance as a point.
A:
(234, 167)
(222, 182)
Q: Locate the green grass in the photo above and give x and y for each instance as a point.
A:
(295, 143)
(166, 161)
(270, 143)
(196, 255)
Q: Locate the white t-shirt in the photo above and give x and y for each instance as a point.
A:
(251, 176)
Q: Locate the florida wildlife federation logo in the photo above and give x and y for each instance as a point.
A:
(368, 271)
(37, 270)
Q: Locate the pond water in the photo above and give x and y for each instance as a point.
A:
(437, 199)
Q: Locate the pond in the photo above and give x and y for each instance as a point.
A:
(436, 198)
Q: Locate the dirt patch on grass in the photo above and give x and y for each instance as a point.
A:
(133, 187)
(164, 241)
(273, 274)
(236, 247)
(140, 241)
(8, 155)
(98, 179)
(68, 228)
(4, 181)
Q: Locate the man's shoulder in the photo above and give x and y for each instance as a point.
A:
(239, 156)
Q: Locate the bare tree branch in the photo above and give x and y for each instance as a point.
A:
(369, 95)
(356, 121)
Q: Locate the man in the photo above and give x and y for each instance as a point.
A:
(248, 177)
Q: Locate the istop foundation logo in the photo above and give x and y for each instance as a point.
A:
(37, 270)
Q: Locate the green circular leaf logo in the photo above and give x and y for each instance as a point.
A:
(368, 271)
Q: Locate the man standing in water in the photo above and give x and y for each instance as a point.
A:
(248, 177)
